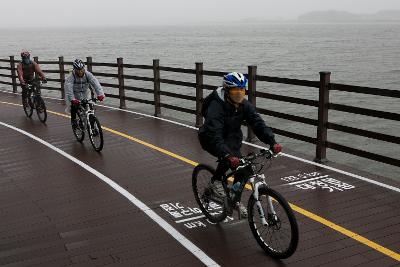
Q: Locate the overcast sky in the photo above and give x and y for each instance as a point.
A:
(22, 13)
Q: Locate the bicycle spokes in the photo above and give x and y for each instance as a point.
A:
(95, 133)
(41, 109)
(273, 223)
(211, 205)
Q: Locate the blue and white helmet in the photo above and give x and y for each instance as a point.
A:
(234, 79)
(78, 64)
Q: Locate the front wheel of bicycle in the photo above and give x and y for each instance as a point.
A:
(27, 105)
(41, 109)
(211, 206)
(278, 235)
(95, 133)
(79, 129)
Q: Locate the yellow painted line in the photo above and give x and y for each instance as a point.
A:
(340, 229)
(127, 137)
(12, 104)
(151, 146)
(346, 232)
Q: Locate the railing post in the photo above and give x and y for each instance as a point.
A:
(157, 102)
(62, 76)
(121, 84)
(199, 93)
(36, 59)
(252, 88)
(89, 67)
(13, 74)
(322, 130)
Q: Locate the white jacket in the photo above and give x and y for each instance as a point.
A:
(78, 88)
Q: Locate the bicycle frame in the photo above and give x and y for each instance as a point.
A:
(267, 208)
(256, 180)
(86, 109)
(34, 87)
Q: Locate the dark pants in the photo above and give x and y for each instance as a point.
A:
(74, 110)
(223, 167)
(26, 87)
(24, 91)
(223, 163)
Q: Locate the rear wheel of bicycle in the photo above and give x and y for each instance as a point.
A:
(212, 207)
(95, 133)
(79, 131)
(279, 237)
(41, 109)
(27, 105)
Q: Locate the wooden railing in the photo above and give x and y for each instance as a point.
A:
(324, 86)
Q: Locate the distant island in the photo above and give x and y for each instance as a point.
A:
(329, 16)
(343, 16)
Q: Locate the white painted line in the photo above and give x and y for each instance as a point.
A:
(307, 180)
(283, 154)
(190, 219)
(160, 221)
(150, 116)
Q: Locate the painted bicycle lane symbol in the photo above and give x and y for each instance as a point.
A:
(315, 180)
(190, 217)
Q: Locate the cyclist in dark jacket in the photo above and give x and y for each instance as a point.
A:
(26, 70)
(221, 135)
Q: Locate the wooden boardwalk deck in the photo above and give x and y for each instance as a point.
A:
(54, 212)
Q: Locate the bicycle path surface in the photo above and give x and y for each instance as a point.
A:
(63, 204)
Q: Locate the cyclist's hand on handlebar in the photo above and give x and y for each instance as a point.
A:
(276, 148)
(233, 162)
(75, 102)
(100, 97)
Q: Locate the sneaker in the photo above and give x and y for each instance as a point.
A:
(242, 210)
(217, 189)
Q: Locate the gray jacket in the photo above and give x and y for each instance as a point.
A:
(78, 88)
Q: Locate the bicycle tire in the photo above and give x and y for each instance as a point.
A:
(284, 212)
(41, 109)
(79, 131)
(28, 106)
(94, 122)
(214, 210)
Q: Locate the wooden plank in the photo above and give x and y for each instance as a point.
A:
(366, 133)
(180, 70)
(365, 111)
(288, 99)
(365, 90)
(288, 81)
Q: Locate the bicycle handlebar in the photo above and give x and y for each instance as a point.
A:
(263, 152)
(86, 101)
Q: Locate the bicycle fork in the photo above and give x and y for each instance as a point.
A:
(260, 209)
(88, 122)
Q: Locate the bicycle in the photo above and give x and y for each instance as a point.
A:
(267, 209)
(34, 100)
(85, 114)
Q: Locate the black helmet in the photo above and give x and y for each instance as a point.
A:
(78, 64)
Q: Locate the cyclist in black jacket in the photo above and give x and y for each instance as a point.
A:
(224, 111)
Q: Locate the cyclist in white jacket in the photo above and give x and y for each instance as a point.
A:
(77, 87)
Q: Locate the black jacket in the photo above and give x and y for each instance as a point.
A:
(221, 133)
